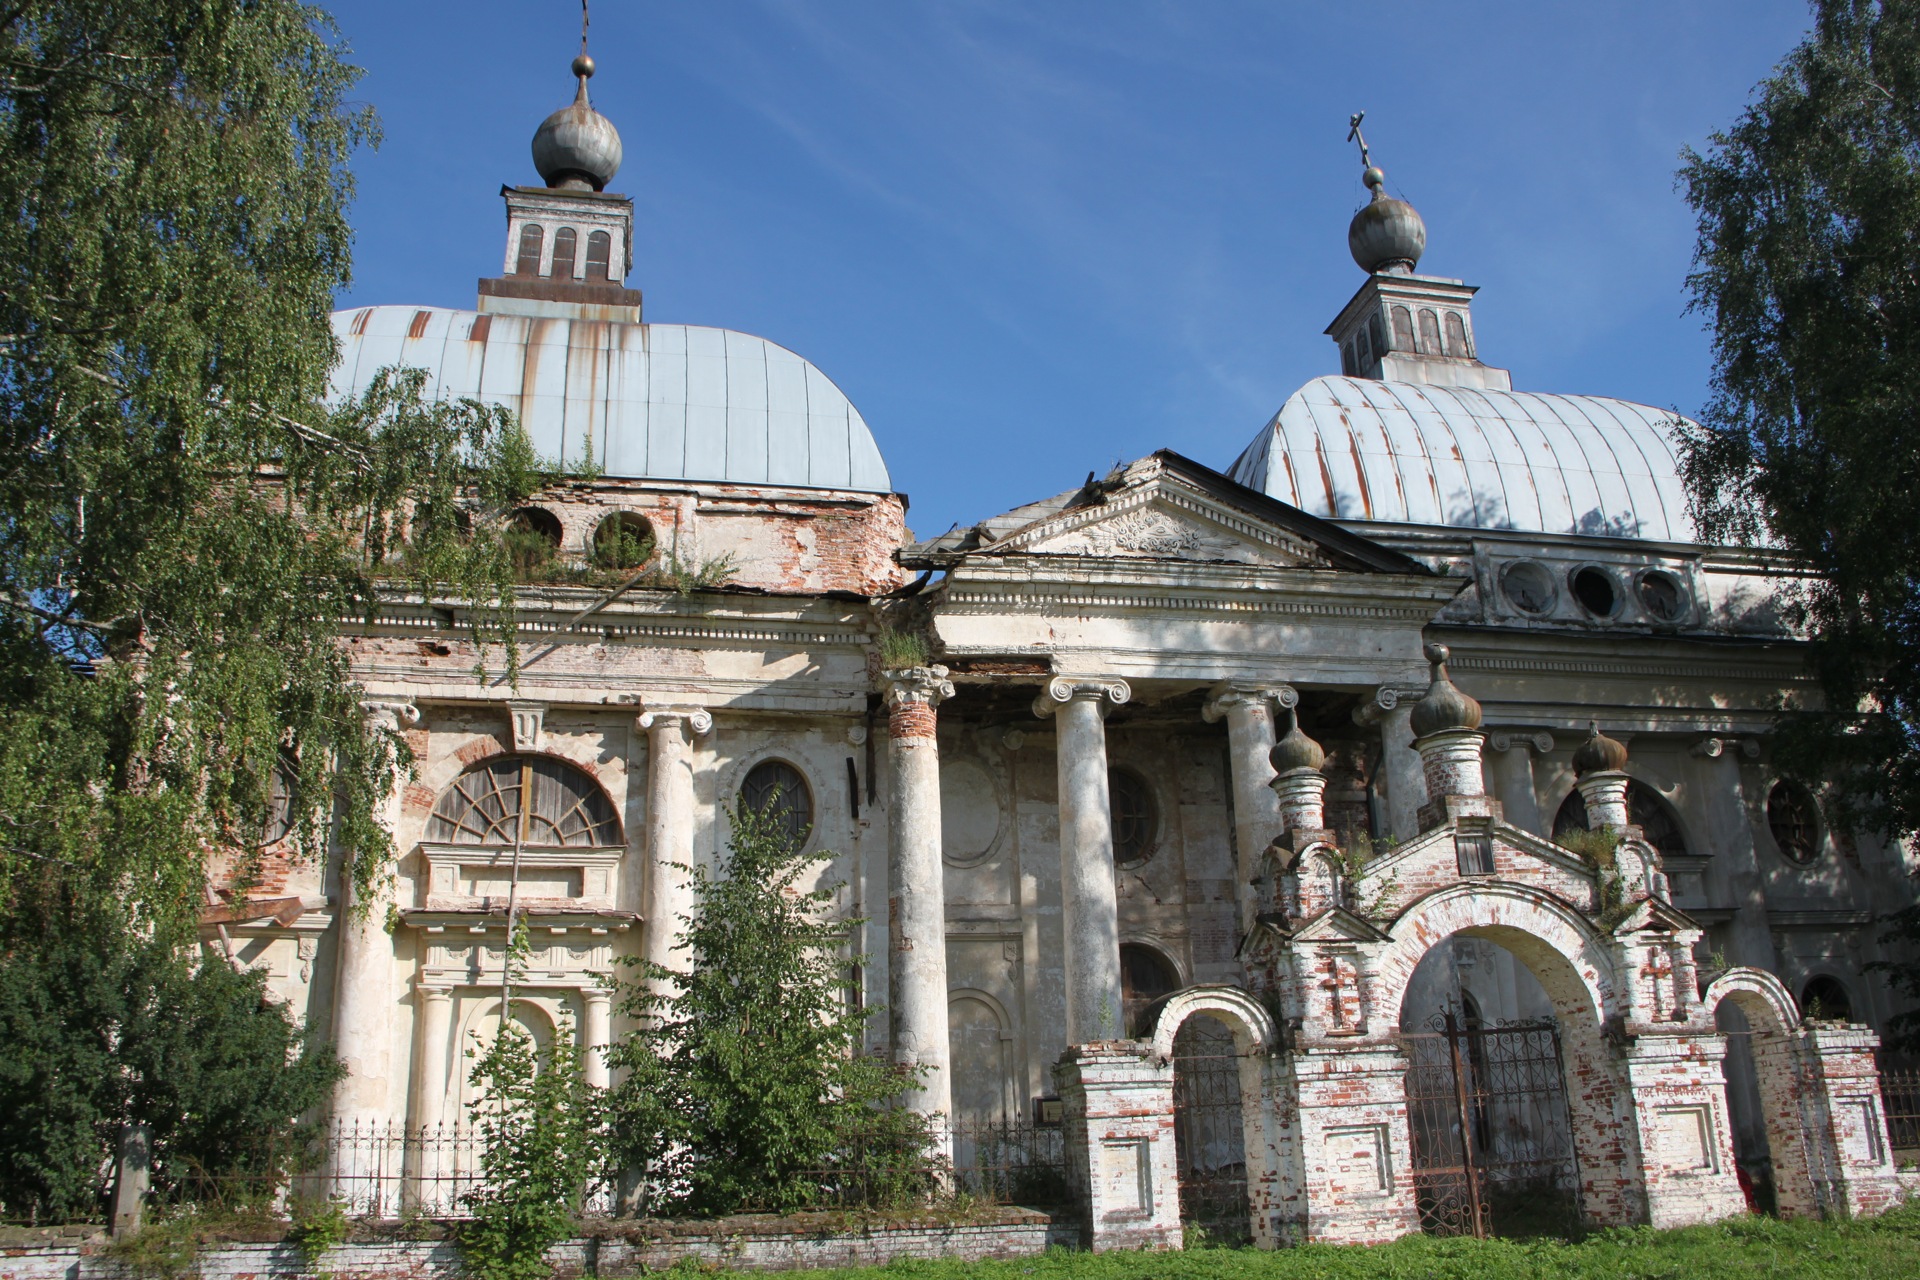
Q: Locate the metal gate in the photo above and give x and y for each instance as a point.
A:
(1492, 1139)
(1209, 1131)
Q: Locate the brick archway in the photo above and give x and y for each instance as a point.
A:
(1800, 1180)
(1574, 964)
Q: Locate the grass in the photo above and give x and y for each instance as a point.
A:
(1746, 1249)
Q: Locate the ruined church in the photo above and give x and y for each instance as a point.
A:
(1319, 841)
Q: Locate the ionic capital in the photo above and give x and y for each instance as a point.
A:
(389, 715)
(692, 721)
(927, 686)
(1508, 739)
(1105, 692)
(1385, 701)
(433, 993)
(1229, 694)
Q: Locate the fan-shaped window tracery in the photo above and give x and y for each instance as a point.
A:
(486, 805)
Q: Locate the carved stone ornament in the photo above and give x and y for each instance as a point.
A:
(695, 721)
(1508, 739)
(389, 715)
(528, 720)
(1106, 691)
(1231, 693)
(927, 685)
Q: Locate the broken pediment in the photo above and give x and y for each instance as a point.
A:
(1654, 915)
(1338, 924)
(1165, 521)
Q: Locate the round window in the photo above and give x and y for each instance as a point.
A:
(1593, 588)
(1794, 822)
(1529, 586)
(1133, 814)
(1662, 596)
(624, 540)
(775, 790)
(532, 539)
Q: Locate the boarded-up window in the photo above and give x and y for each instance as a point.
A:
(1377, 332)
(599, 256)
(1457, 336)
(1429, 332)
(531, 239)
(564, 241)
(1402, 329)
(485, 806)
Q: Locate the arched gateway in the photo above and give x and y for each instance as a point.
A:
(1322, 1058)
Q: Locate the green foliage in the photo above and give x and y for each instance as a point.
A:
(1808, 267)
(104, 1027)
(537, 1119)
(1595, 848)
(316, 1227)
(619, 545)
(684, 577)
(901, 650)
(745, 1086)
(1741, 1249)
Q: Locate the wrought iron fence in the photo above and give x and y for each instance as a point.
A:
(1010, 1162)
(1900, 1094)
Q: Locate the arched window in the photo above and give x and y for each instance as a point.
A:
(1377, 332)
(564, 241)
(599, 256)
(1824, 997)
(1794, 822)
(1402, 329)
(1133, 815)
(1457, 336)
(532, 238)
(487, 805)
(1645, 809)
(1429, 332)
(1145, 976)
(776, 790)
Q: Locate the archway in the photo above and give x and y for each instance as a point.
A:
(1571, 966)
(1487, 1116)
(1226, 1110)
(1781, 1176)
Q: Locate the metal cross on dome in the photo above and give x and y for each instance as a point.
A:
(585, 19)
(1353, 131)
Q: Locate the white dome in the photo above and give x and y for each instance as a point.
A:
(656, 401)
(1358, 449)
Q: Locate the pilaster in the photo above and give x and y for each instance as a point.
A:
(1122, 1166)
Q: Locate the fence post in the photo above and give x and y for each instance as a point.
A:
(131, 1177)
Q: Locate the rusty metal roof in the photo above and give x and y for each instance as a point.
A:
(1358, 449)
(649, 401)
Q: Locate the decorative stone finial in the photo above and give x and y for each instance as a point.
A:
(1295, 750)
(1599, 754)
(1444, 707)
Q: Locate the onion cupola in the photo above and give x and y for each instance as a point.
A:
(1445, 707)
(1296, 750)
(1387, 234)
(576, 148)
(1599, 754)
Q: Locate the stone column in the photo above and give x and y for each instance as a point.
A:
(433, 1006)
(363, 994)
(670, 731)
(1089, 906)
(916, 886)
(1248, 712)
(1406, 788)
(596, 1033)
(1511, 767)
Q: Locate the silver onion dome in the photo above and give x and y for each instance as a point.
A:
(1387, 234)
(576, 147)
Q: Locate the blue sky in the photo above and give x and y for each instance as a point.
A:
(1030, 239)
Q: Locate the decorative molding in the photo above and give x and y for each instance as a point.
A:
(1125, 524)
(1106, 692)
(528, 719)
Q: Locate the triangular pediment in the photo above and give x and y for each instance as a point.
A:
(1337, 924)
(1168, 508)
(1656, 915)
